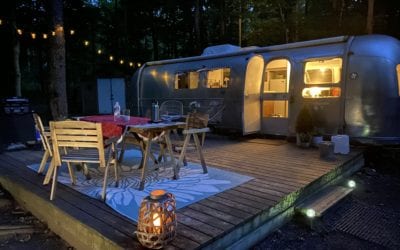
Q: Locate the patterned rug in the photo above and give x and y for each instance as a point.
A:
(191, 187)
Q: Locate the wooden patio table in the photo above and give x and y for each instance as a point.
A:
(152, 130)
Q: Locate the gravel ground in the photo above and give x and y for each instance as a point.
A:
(20, 230)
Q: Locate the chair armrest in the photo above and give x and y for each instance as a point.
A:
(109, 141)
(196, 130)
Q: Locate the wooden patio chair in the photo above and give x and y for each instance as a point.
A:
(171, 107)
(45, 139)
(83, 142)
(196, 124)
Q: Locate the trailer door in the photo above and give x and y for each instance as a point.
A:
(275, 106)
(252, 88)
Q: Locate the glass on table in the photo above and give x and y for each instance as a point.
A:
(126, 115)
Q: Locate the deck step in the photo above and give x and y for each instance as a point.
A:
(321, 201)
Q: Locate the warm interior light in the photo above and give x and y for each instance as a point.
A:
(19, 31)
(99, 51)
(310, 213)
(33, 35)
(351, 184)
(44, 36)
(156, 220)
(111, 58)
(86, 43)
(72, 32)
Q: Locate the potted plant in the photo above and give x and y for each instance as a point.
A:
(304, 127)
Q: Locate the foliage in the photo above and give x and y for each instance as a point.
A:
(304, 122)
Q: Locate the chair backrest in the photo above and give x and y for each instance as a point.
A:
(196, 120)
(171, 107)
(44, 135)
(77, 134)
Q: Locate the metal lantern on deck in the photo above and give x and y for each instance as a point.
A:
(157, 219)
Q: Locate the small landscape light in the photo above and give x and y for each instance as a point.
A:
(310, 213)
(351, 184)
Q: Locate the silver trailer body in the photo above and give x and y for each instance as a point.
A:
(351, 85)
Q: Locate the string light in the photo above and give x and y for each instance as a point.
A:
(86, 43)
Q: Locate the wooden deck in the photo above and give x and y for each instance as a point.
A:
(284, 175)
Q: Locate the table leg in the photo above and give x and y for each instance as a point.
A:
(145, 161)
(182, 155)
(171, 154)
(200, 152)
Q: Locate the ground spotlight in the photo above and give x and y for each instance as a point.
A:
(351, 184)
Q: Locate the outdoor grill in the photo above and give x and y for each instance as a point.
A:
(16, 105)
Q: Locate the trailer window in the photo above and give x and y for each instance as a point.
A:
(187, 80)
(323, 71)
(218, 78)
(321, 92)
(398, 78)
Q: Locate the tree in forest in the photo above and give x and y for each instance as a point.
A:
(57, 88)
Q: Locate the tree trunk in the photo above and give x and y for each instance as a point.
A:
(370, 17)
(17, 69)
(197, 25)
(58, 88)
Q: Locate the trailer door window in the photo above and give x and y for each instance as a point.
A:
(187, 80)
(323, 71)
(398, 78)
(218, 78)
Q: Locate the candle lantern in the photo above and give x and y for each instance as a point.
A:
(157, 219)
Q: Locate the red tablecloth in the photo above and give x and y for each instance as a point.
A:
(113, 128)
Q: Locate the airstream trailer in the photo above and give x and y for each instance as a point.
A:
(350, 84)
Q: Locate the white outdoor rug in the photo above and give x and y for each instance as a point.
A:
(191, 187)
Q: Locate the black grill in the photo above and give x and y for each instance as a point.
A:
(16, 105)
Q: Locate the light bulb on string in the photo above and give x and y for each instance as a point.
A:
(111, 58)
(1, 22)
(19, 31)
(99, 51)
(121, 61)
(139, 64)
(33, 35)
(72, 32)
(53, 33)
(86, 43)
(44, 36)
(130, 64)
